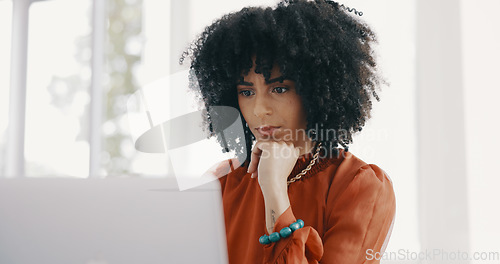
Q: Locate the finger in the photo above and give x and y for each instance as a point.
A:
(254, 158)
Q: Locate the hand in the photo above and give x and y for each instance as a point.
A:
(272, 162)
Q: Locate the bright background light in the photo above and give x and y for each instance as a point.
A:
(59, 75)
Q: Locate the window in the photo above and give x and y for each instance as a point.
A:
(58, 79)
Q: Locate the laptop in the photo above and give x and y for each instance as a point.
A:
(110, 221)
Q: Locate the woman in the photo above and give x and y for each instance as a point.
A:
(303, 77)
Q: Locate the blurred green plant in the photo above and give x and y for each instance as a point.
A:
(123, 54)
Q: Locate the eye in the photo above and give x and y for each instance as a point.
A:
(246, 93)
(280, 89)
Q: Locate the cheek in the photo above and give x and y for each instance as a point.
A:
(297, 112)
(301, 119)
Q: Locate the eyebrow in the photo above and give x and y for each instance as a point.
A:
(277, 79)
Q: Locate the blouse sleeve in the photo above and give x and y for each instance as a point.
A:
(358, 225)
(361, 218)
(303, 246)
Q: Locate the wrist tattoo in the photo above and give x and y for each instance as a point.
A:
(273, 219)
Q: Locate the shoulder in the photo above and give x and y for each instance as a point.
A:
(353, 175)
(222, 169)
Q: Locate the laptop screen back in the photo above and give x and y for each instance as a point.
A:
(110, 221)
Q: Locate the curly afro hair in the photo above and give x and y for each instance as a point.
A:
(323, 48)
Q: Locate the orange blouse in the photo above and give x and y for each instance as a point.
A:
(348, 208)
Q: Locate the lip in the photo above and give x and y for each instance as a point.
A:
(267, 130)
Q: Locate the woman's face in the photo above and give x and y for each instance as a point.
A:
(273, 109)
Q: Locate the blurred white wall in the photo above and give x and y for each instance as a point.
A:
(481, 68)
(5, 32)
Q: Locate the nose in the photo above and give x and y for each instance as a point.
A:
(262, 106)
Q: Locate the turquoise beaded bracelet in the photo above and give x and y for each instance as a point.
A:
(285, 232)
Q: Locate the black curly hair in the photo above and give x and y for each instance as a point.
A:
(323, 48)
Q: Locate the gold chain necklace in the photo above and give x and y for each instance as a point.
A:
(304, 171)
